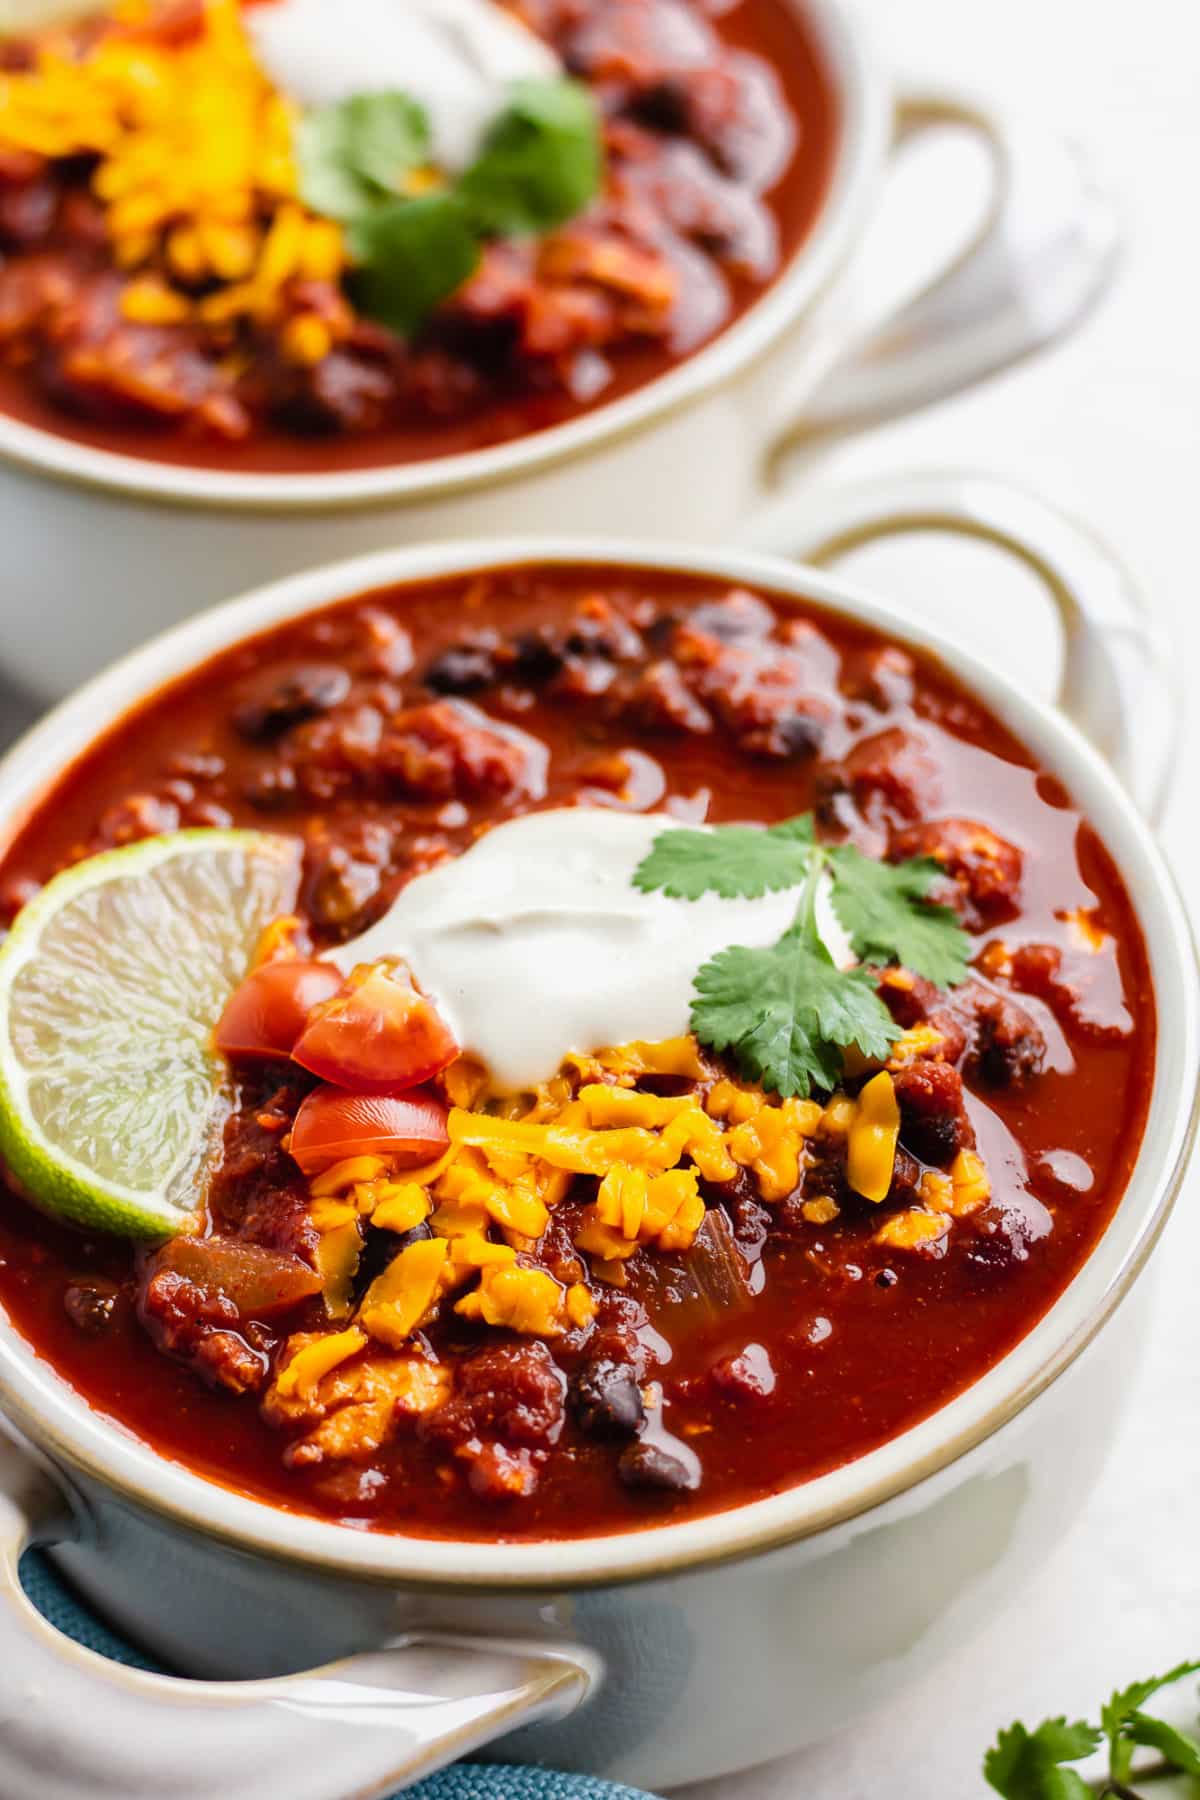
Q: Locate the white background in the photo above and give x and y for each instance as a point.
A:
(1110, 425)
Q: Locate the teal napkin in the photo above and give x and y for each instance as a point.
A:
(465, 1781)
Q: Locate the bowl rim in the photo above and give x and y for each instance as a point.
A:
(58, 1419)
(862, 132)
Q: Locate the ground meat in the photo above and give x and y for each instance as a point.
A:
(513, 1394)
(1007, 1045)
(1086, 1000)
(702, 205)
(744, 1377)
(913, 1001)
(494, 1472)
(450, 749)
(984, 869)
(94, 362)
(662, 701)
(344, 875)
(199, 1328)
(350, 390)
(889, 776)
(141, 816)
(258, 1194)
(933, 1118)
(760, 690)
(980, 1028)
(735, 617)
(443, 750)
(884, 677)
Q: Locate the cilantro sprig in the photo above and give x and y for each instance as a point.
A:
(787, 1014)
(1035, 1765)
(415, 239)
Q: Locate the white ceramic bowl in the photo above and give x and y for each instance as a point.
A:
(102, 550)
(661, 1655)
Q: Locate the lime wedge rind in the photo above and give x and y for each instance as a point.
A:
(111, 1096)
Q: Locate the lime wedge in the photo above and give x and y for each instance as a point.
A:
(111, 1094)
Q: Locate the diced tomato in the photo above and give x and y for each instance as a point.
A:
(378, 1036)
(331, 1125)
(267, 1013)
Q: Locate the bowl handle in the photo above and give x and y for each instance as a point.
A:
(1118, 684)
(72, 1722)
(1043, 253)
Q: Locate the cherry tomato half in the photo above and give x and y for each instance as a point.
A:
(267, 1013)
(332, 1124)
(378, 1036)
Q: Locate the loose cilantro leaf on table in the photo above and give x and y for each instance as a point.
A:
(1028, 1765)
(1126, 1726)
(415, 236)
(1031, 1765)
(733, 861)
(887, 916)
(786, 1013)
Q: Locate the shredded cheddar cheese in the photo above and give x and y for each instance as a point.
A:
(488, 1200)
(872, 1139)
(306, 1367)
(914, 1229)
(195, 170)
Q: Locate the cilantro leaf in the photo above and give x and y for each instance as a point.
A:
(540, 164)
(887, 917)
(785, 1013)
(731, 860)
(541, 161)
(413, 255)
(354, 156)
(1126, 1726)
(1179, 1748)
(1027, 1765)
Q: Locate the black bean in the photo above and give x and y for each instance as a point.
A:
(463, 669)
(608, 1401)
(536, 659)
(648, 1465)
(303, 693)
(801, 735)
(662, 107)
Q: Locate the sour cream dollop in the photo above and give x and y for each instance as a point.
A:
(535, 943)
(456, 57)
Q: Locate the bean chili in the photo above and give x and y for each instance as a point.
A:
(719, 127)
(800, 1329)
